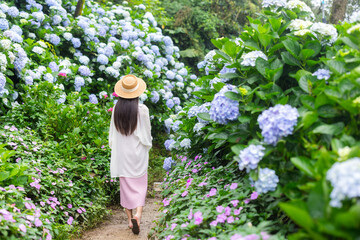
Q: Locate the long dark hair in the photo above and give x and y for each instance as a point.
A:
(125, 115)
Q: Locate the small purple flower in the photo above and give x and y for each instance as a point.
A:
(234, 202)
(69, 206)
(70, 220)
(322, 74)
(253, 196)
(185, 193)
(22, 228)
(219, 209)
(233, 186)
(198, 218)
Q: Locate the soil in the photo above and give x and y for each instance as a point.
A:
(116, 226)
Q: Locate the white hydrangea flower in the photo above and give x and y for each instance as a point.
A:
(303, 32)
(116, 65)
(274, 3)
(355, 17)
(42, 44)
(292, 4)
(344, 152)
(345, 179)
(5, 44)
(299, 24)
(185, 143)
(38, 50)
(68, 36)
(250, 58)
(32, 35)
(354, 28)
(327, 30)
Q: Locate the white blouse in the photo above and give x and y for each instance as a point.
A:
(130, 154)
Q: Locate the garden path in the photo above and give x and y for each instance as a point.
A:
(116, 226)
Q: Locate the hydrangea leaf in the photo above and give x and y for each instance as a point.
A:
(292, 46)
(304, 164)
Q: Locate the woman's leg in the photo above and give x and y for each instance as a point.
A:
(139, 214)
(130, 216)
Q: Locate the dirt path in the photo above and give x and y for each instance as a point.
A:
(116, 227)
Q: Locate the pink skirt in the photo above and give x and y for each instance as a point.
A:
(133, 191)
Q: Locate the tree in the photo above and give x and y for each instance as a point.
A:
(338, 11)
(79, 8)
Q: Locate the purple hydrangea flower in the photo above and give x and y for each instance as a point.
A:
(223, 108)
(322, 74)
(251, 156)
(277, 122)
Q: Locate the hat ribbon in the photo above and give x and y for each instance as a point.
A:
(130, 90)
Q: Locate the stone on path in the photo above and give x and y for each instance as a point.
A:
(116, 227)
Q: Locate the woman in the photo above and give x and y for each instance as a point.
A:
(130, 142)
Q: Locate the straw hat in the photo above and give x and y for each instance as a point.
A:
(130, 86)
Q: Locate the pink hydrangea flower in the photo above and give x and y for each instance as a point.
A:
(110, 109)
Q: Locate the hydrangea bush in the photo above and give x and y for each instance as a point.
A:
(293, 126)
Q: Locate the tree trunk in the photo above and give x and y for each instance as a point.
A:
(79, 8)
(338, 11)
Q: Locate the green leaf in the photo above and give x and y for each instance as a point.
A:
(218, 86)
(190, 53)
(336, 66)
(350, 43)
(204, 115)
(314, 45)
(76, 130)
(265, 39)
(14, 171)
(306, 53)
(237, 148)
(220, 54)
(304, 164)
(296, 210)
(229, 75)
(275, 23)
(233, 96)
(220, 135)
(4, 175)
(289, 59)
(317, 201)
(217, 43)
(261, 65)
(293, 47)
(230, 48)
(305, 84)
(333, 129)
(308, 119)
(244, 119)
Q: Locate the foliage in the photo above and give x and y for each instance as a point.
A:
(195, 23)
(276, 61)
(203, 201)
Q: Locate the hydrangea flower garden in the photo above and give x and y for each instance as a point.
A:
(263, 144)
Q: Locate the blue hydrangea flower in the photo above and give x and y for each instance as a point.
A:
(273, 3)
(168, 42)
(193, 77)
(53, 66)
(29, 80)
(56, 20)
(185, 143)
(193, 111)
(84, 71)
(249, 59)
(93, 99)
(176, 125)
(345, 179)
(168, 123)
(17, 29)
(267, 181)
(49, 77)
(109, 51)
(251, 156)
(168, 164)
(13, 12)
(223, 108)
(83, 24)
(79, 82)
(169, 144)
(155, 97)
(13, 36)
(148, 73)
(84, 60)
(277, 122)
(225, 70)
(2, 81)
(322, 74)
(170, 103)
(54, 39)
(4, 24)
(76, 42)
(183, 72)
(176, 100)
(102, 59)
